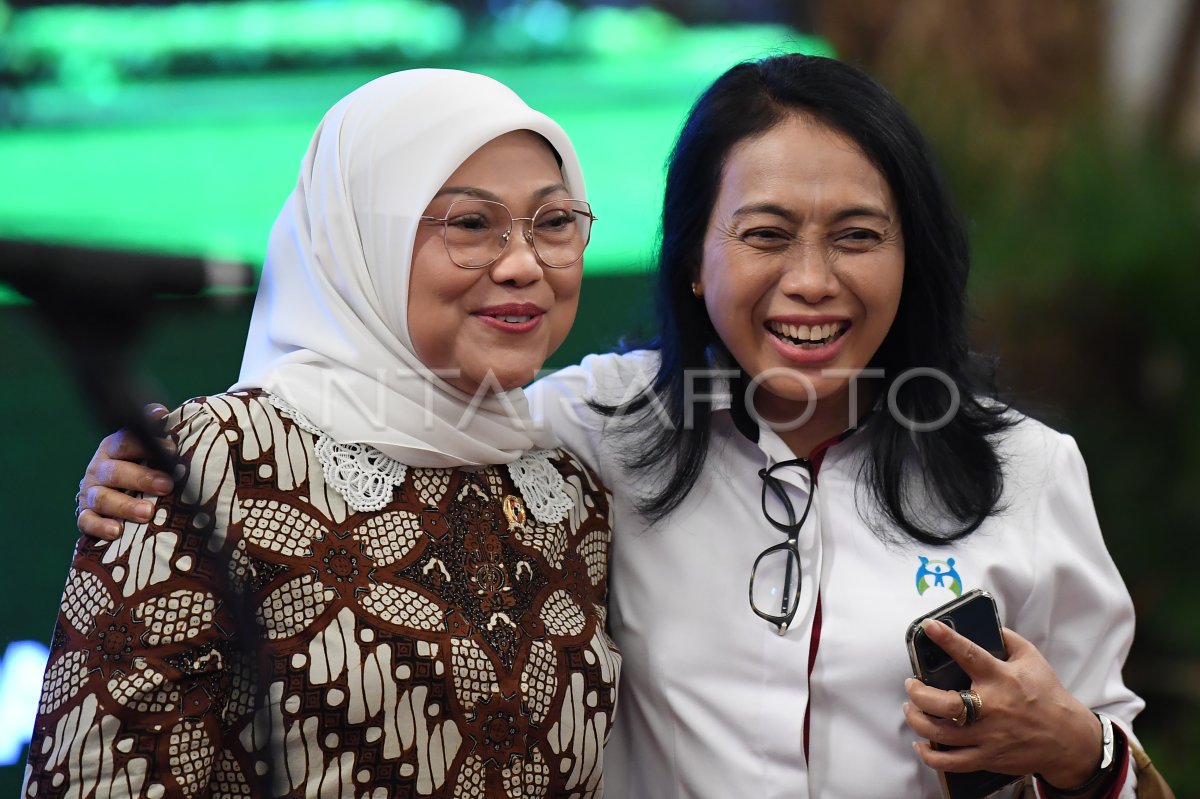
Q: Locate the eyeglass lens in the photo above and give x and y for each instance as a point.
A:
(477, 231)
(780, 503)
(776, 584)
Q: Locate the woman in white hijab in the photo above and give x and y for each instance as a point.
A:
(378, 577)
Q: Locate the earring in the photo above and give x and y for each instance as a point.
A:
(697, 290)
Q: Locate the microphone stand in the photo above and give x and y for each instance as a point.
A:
(97, 316)
(95, 304)
(96, 333)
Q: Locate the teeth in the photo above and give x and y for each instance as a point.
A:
(516, 320)
(805, 332)
(800, 332)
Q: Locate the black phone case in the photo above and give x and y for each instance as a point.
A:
(974, 616)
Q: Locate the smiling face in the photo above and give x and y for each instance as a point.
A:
(493, 326)
(802, 268)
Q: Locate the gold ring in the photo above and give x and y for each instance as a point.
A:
(977, 702)
(961, 719)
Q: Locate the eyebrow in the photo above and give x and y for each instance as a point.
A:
(484, 194)
(843, 214)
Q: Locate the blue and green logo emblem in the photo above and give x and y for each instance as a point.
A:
(938, 574)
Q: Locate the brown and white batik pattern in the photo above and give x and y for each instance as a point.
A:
(258, 637)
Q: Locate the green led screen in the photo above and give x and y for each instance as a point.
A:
(200, 164)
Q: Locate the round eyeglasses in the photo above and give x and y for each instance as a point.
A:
(775, 579)
(477, 231)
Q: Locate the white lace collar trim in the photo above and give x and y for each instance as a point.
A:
(366, 478)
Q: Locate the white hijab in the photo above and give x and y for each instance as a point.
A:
(329, 334)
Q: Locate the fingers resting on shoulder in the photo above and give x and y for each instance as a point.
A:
(104, 501)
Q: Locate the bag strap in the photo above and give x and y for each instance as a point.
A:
(1150, 783)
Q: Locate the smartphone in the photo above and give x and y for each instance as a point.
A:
(973, 615)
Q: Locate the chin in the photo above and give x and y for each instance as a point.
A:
(786, 389)
(790, 395)
(498, 380)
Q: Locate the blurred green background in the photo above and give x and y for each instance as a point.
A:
(1070, 131)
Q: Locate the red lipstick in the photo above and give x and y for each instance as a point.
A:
(513, 317)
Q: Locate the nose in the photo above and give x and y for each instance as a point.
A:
(518, 264)
(810, 273)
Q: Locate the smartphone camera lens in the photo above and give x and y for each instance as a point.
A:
(933, 658)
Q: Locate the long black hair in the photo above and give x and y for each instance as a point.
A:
(955, 468)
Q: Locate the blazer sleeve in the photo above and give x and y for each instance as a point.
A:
(1080, 613)
(137, 678)
(562, 401)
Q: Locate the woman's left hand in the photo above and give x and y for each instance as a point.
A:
(1029, 722)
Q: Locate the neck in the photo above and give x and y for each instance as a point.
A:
(827, 418)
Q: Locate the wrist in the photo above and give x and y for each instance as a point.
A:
(1086, 780)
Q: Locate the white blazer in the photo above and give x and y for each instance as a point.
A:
(713, 701)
